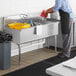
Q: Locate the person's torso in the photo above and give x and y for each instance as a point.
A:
(65, 6)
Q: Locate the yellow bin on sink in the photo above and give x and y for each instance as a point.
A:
(26, 26)
(19, 26)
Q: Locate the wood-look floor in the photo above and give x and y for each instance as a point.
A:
(29, 58)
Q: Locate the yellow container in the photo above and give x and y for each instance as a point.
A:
(11, 26)
(26, 26)
(25, 23)
(15, 24)
(19, 26)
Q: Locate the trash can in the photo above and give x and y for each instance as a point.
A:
(5, 50)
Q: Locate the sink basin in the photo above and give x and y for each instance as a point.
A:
(35, 20)
(39, 20)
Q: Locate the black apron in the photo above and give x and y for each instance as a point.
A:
(64, 19)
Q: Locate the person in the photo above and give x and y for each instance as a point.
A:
(66, 21)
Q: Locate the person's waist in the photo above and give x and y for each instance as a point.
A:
(71, 15)
(63, 12)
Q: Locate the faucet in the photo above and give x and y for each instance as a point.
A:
(23, 16)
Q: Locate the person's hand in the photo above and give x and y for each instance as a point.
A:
(44, 14)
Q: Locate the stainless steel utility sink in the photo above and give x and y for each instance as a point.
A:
(49, 27)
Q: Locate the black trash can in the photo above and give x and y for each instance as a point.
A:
(5, 50)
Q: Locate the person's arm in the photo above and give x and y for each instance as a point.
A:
(50, 10)
(55, 8)
(58, 5)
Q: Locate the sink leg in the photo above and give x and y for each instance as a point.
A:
(55, 43)
(48, 42)
(19, 53)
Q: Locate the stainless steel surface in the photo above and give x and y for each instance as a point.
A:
(19, 58)
(60, 40)
(49, 28)
(18, 35)
(39, 20)
(55, 43)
